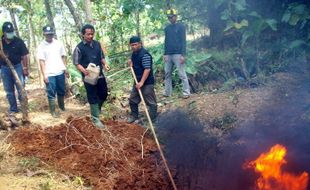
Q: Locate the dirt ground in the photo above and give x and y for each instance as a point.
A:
(118, 157)
(70, 153)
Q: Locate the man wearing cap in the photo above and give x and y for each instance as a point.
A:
(86, 52)
(16, 51)
(175, 50)
(141, 61)
(52, 57)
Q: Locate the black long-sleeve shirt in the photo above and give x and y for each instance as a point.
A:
(175, 39)
(14, 50)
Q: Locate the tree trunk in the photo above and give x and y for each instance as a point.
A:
(168, 3)
(138, 23)
(24, 103)
(244, 69)
(75, 15)
(87, 6)
(215, 23)
(29, 47)
(122, 40)
(34, 43)
(12, 14)
(49, 14)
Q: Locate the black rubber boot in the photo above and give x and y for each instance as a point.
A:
(134, 115)
(61, 103)
(153, 112)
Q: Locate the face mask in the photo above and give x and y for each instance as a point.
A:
(10, 35)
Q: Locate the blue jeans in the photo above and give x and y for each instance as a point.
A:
(56, 85)
(169, 63)
(10, 84)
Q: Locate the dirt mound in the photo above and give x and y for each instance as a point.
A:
(121, 156)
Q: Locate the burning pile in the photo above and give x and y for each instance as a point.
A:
(269, 164)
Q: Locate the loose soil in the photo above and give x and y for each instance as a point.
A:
(121, 156)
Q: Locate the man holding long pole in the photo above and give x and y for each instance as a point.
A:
(141, 62)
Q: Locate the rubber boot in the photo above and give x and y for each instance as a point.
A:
(134, 115)
(100, 103)
(61, 103)
(51, 104)
(153, 112)
(94, 110)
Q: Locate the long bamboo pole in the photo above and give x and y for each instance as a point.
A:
(153, 132)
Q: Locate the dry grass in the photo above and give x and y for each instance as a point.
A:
(16, 175)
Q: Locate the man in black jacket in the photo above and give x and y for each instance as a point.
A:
(86, 52)
(141, 61)
(175, 50)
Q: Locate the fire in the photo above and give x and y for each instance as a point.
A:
(272, 177)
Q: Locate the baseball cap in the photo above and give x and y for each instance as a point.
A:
(48, 30)
(134, 39)
(7, 27)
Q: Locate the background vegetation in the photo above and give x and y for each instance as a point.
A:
(231, 42)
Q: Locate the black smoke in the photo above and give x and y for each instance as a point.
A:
(203, 161)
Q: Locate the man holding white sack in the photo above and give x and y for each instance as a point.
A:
(86, 52)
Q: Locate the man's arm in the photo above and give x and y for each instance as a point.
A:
(63, 55)
(41, 58)
(105, 64)
(146, 62)
(103, 61)
(24, 58)
(76, 61)
(146, 73)
(183, 40)
(64, 60)
(165, 42)
(25, 61)
(42, 67)
(165, 46)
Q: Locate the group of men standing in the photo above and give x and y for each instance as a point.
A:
(52, 57)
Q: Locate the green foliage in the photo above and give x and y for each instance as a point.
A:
(297, 43)
(229, 85)
(74, 73)
(226, 122)
(29, 163)
(296, 13)
(254, 37)
(157, 54)
(130, 6)
(45, 186)
(79, 181)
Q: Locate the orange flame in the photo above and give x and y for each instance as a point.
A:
(272, 177)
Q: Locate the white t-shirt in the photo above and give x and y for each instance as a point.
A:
(52, 54)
